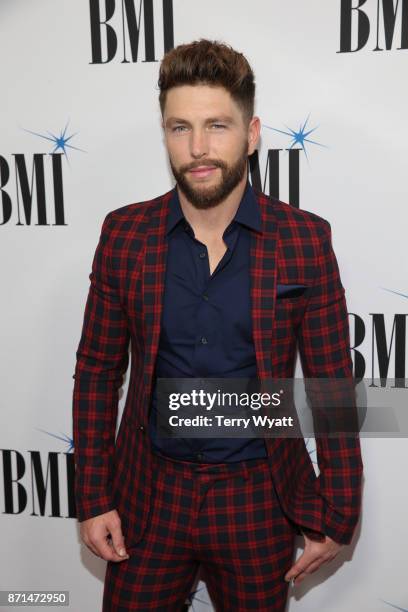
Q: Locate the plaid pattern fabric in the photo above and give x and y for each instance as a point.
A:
(226, 519)
(125, 304)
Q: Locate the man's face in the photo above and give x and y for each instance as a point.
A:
(207, 141)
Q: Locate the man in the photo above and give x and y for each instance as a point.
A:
(211, 279)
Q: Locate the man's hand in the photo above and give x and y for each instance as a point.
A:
(314, 554)
(103, 535)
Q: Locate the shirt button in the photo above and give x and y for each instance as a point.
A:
(199, 456)
(203, 340)
(205, 297)
(202, 254)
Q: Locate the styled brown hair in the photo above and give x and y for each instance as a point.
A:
(209, 62)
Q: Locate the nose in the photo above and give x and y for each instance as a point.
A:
(199, 144)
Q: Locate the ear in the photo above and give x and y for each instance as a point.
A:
(254, 130)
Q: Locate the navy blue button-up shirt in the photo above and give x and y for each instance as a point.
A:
(206, 326)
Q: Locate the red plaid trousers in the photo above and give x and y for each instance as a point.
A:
(223, 518)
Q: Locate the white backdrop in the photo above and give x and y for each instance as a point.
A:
(357, 103)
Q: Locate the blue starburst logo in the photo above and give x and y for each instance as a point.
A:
(300, 136)
(396, 292)
(69, 441)
(61, 142)
(394, 606)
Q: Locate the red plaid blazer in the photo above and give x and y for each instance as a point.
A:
(124, 304)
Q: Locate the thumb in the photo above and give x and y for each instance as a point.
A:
(118, 541)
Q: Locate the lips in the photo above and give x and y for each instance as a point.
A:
(203, 170)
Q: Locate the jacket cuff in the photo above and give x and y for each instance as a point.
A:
(340, 531)
(316, 536)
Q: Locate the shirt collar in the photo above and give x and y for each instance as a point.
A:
(248, 212)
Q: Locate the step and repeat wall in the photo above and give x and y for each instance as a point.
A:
(80, 135)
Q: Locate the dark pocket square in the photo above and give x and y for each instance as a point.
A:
(290, 291)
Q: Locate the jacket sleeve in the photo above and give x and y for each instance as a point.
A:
(324, 348)
(101, 360)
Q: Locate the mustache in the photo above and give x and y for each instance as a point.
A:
(212, 164)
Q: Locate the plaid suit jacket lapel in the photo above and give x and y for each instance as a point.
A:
(153, 277)
(263, 271)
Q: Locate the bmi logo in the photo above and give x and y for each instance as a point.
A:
(39, 483)
(387, 355)
(45, 185)
(383, 23)
(118, 29)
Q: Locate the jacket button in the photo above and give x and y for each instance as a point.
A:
(141, 427)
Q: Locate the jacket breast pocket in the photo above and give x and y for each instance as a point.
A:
(286, 291)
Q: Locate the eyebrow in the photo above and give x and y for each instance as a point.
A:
(221, 118)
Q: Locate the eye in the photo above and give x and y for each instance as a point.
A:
(178, 128)
(219, 125)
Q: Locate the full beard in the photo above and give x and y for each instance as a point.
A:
(207, 197)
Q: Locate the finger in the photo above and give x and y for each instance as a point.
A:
(309, 570)
(313, 567)
(118, 557)
(106, 550)
(118, 541)
(296, 581)
(305, 559)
